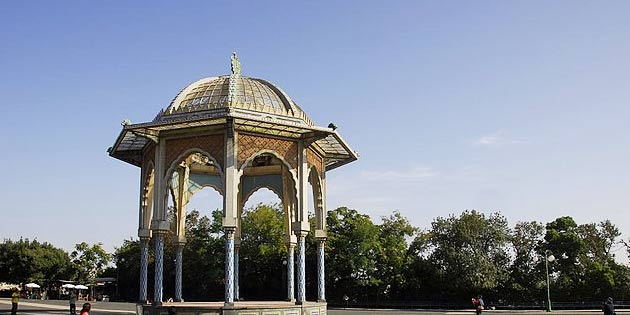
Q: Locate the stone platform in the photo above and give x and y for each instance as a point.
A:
(239, 308)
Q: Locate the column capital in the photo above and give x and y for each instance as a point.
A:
(159, 233)
(290, 238)
(146, 233)
(179, 240)
(229, 232)
(321, 234)
(160, 226)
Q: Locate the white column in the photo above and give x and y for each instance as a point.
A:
(230, 199)
(229, 266)
(159, 224)
(291, 272)
(230, 208)
(321, 284)
(179, 257)
(301, 226)
(144, 264)
(159, 268)
(301, 268)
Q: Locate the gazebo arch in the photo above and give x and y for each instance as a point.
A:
(179, 177)
(237, 128)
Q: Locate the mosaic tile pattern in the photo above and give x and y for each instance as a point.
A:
(179, 255)
(159, 267)
(249, 145)
(314, 159)
(212, 144)
(144, 262)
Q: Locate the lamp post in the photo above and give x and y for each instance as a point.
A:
(118, 264)
(548, 258)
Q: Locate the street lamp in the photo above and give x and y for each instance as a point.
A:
(548, 258)
(118, 265)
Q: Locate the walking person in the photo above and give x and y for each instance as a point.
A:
(73, 303)
(15, 299)
(478, 304)
(86, 309)
(609, 307)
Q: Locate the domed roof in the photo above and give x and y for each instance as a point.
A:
(253, 105)
(253, 95)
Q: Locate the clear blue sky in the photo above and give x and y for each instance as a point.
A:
(517, 107)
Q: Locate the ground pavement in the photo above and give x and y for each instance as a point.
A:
(60, 307)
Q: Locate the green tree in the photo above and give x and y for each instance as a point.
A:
(596, 261)
(563, 241)
(26, 261)
(204, 257)
(127, 259)
(352, 251)
(89, 261)
(422, 278)
(525, 277)
(470, 252)
(262, 252)
(393, 259)
(598, 240)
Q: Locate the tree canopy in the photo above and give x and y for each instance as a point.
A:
(457, 257)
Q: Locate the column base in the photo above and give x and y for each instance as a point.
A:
(321, 300)
(158, 303)
(228, 305)
(290, 300)
(299, 302)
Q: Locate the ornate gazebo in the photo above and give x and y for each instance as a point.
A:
(235, 134)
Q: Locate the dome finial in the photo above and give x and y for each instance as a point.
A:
(236, 73)
(236, 65)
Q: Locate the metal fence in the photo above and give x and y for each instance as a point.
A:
(563, 305)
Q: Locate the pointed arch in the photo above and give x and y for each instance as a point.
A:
(180, 200)
(316, 182)
(288, 194)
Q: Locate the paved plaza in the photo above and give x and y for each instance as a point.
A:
(60, 307)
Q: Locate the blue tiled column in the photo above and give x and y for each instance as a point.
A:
(236, 273)
(159, 268)
(144, 264)
(301, 268)
(321, 283)
(291, 272)
(179, 257)
(229, 267)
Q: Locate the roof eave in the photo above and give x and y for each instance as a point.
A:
(130, 156)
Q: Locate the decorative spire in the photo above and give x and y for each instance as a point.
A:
(236, 65)
(236, 73)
